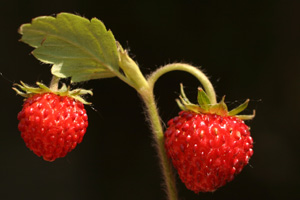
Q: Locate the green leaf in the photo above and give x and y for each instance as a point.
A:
(77, 47)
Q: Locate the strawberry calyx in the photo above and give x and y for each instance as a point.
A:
(27, 91)
(206, 107)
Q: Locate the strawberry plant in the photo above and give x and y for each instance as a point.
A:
(207, 144)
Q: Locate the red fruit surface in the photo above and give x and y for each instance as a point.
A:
(52, 125)
(207, 150)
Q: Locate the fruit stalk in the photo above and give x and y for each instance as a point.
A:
(54, 83)
(147, 95)
(141, 85)
(209, 89)
(166, 167)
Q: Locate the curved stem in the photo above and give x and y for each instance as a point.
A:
(145, 89)
(190, 69)
(158, 134)
(139, 82)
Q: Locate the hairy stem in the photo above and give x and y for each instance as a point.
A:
(166, 167)
(190, 69)
(145, 89)
(138, 81)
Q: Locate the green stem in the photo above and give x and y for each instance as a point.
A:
(167, 170)
(54, 83)
(138, 81)
(145, 89)
(190, 69)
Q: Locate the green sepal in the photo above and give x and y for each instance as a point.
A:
(183, 96)
(219, 108)
(180, 105)
(28, 91)
(189, 106)
(184, 104)
(206, 107)
(203, 99)
(239, 109)
(43, 87)
(246, 117)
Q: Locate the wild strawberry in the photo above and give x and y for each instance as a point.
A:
(207, 144)
(52, 123)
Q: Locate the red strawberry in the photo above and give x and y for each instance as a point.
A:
(52, 124)
(207, 144)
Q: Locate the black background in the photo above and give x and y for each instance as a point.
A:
(250, 49)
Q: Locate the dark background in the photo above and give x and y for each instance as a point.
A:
(250, 49)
